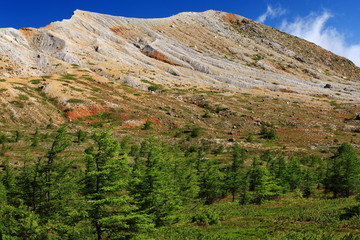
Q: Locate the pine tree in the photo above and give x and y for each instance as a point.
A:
(164, 180)
(52, 169)
(3, 141)
(294, 174)
(3, 195)
(308, 183)
(185, 177)
(47, 183)
(8, 180)
(267, 187)
(106, 180)
(343, 174)
(154, 187)
(235, 175)
(35, 138)
(16, 136)
(254, 174)
(262, 184)
(211, 182)
(80, 136)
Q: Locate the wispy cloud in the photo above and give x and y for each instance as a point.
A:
(314, 29)
(271, 12)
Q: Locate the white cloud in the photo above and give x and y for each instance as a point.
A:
(271, 12)
(313, 28)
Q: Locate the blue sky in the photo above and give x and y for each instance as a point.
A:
(332, 24)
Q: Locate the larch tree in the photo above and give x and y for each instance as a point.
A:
(110, 208)
(235, 175)
(343, 173)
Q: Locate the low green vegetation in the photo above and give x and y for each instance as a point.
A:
(35, 81)
(74, 100)
(268, 132)
(68, 76)
(23, 97)
(153, 87)
(147, 125)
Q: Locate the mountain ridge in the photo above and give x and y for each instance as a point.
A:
(66, 40)
(75, 62)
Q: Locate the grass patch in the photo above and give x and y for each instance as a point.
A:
(23, 89)
(76, 89)
(68, 76)
(146, 81)
(288, 218)
(35, 81)
(89, 79)
(153, 87)
(75, 100)
(23, 97)
(17, 104)
(257, 57)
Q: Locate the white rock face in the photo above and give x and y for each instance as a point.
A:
(201, 49)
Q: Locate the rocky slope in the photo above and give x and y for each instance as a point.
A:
(216, 70)
(210, 49)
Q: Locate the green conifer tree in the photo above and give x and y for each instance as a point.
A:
(111, 209)
(235, 176)
(211, 181)
(343, 173)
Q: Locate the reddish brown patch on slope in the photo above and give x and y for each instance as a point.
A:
(84, 111)
(287, 90)
(154, 120)
(230, 17)
(123, 116)
(118, 30)
(27, 31)
(124, 32)
(161, 57)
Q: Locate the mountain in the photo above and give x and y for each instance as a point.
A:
(211, 49)
(172, 71)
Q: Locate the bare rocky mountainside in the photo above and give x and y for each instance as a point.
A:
(188, 66)
(211, 49)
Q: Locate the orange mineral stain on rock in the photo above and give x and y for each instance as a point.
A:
(84, 111)
(27, 32)
(126, 32)
(230, 17)
(161, 57)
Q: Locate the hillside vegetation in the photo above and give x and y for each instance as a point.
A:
(89, 185)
